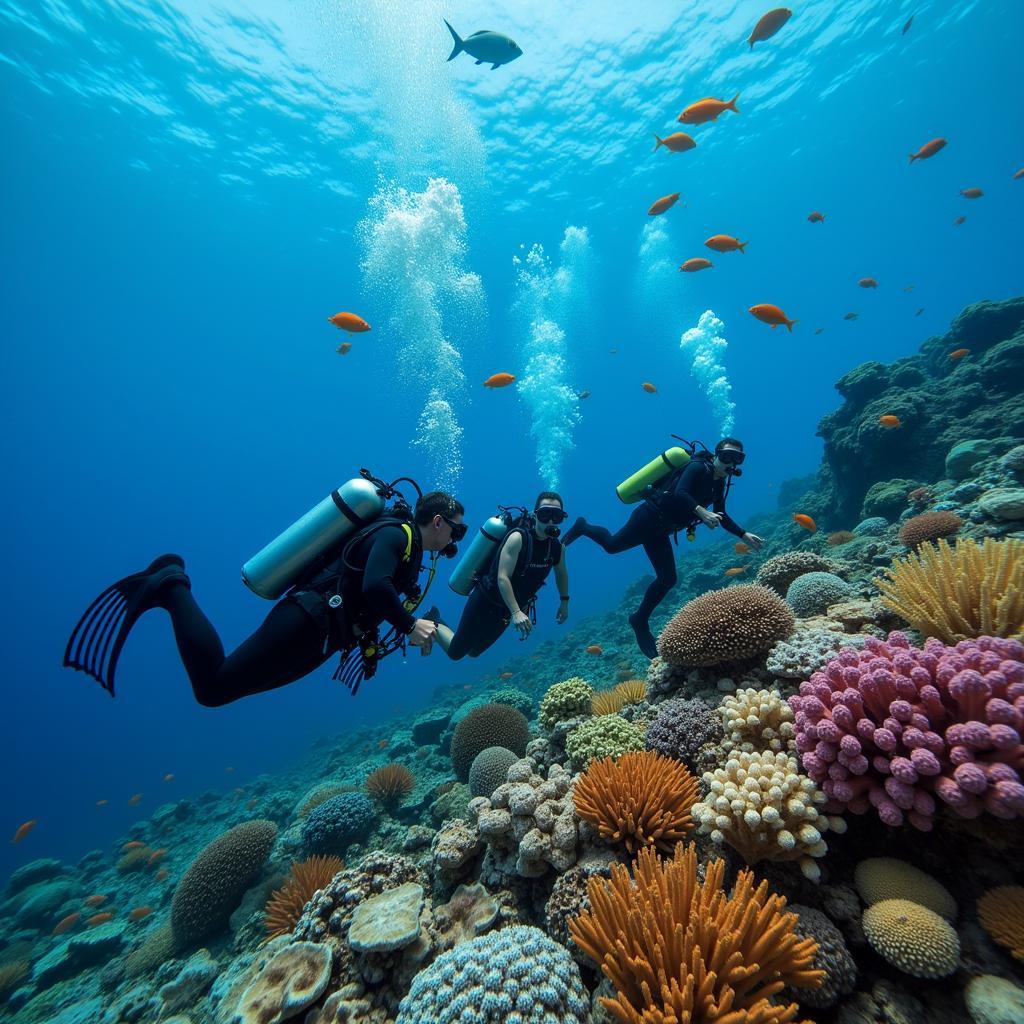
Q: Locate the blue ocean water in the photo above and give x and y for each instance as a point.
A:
(190, 189)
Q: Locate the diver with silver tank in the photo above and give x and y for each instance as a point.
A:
(349, 565)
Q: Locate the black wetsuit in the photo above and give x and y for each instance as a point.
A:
(301, 631)
(667, 510)
(486, 616)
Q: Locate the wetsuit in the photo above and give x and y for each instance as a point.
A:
(301, 631)
(486, 616)
(665, 511)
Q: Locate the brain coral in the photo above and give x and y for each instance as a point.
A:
(492, 725)
(812, 593)
(215, 881)
(928, 526)
(567, 699)
(607, 736)
(682, 728)
(515, 973)
(886, 878)
(912, 938)
(336, 822)
(726, 625)
(779, 571)
(489, 768)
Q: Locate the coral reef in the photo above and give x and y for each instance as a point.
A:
(756, 720)
(335, 823)
(812, 592)
(778, 572)
(929, 526)
(567, 699)
(832, 957)
(607, 702)
(491, 725)
(913, 938)
(887, 878)
(293, 978)
(489, 769)
(606, 736)
(807, 651)
(390, 784)
(286, 904)
(1001, 912)
(687, 730)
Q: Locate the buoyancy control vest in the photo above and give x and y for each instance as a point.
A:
(536, 560)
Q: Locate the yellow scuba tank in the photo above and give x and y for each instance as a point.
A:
(631, 489)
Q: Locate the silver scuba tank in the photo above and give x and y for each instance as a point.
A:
(275, 568)
(479, 554)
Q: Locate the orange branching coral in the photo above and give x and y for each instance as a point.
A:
(642, 799)
(633, 690)
(285, 904)
(606, 702)
(928, 526)
(841, 537)
(390, 784)
(1001, 912)
(676, 949)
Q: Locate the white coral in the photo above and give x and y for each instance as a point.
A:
(757, 720)
(807, 651)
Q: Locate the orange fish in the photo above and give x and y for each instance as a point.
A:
(816, 218)
(23, 830)
(161, 874)
(66, 922)
(971, 193)
(1017, 175)
(95, 901)
(157, 855)
(868, 282)
(349, 322)
(594, 649)
(959, 220)
(499, 380)
(133, 845)
(928, 149)
(768, 24)
(677, 142)
(100, 919)
(805, 521)
(959, 353)
(137, 799)
(102, 803)
(769, 314)
(169, 777)
(139, 913)
(725, 243)
(344, 348)
(506, 675)
(649, 387)
(889, 421)
(738, 571)
(741, 548)
(707, 109)
(663, 204)
(697, 263)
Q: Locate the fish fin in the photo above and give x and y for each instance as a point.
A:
(789, 325)
(742, 246)
(913, 157)
(458, 41)
(658, 142)
(731, 105)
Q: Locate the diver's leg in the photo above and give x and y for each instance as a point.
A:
(637, 528)
(287, 646)
(481, 624)
(659, 551)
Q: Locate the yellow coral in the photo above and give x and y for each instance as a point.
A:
(606, 702)
(757, 720)
(633, 690)
(1001, 912)
(886, 878)
(912, 938)
(958, 593)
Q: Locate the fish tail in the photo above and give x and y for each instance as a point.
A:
(731, 105)
(458, 42)
(913, 157)
(742, 247)
(659, 142)
(789, 325)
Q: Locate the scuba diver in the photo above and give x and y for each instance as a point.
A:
(502, 571)
(345, 565)
(694, 491)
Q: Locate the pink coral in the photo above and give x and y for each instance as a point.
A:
(892, 727)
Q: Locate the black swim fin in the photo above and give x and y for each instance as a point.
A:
(97, 639)
(433, 614)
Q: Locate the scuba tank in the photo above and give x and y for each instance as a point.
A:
(278, 566)
(631, 489)
(475, 562)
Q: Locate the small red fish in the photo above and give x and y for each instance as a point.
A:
(506, 675)
(725, 243)
(868, 282)
(697, 263)
(157, 855)
(928, 149)
(768, 24)
(499, 380)
(707, 109)
(649, 387)
(66, 922)
(816, 218)
(139, 913)
(161, 874)
(133, 845)
(769, 314)
(100, 919)
(344, 348)
(889, 421)
(594, 649)
(137, 799)
(23, 830)
(677, 142)
(971, 193)
(741, 548)
(959, 353)
(349, 322)
(95, 901)
(737, 571)
(663, 204)
(805, 521)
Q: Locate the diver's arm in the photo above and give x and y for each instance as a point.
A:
(379, 592)
(506, 566)
(684, 505)
(562, 582)
(727, 520)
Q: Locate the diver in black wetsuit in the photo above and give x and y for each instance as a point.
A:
(366, 580)
(509, 590)
(691, 495)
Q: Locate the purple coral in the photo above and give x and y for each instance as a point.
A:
(893, 726)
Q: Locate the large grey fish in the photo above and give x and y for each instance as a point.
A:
(487, 47)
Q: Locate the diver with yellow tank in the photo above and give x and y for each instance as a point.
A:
(680, 489)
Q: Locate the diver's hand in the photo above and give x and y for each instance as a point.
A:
(563, 612)
(521, 621)
(754, 541)
(711, 519)
(422, 635)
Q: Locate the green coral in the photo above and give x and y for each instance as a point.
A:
(605, 736)
(514, 698)
(566, 699)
